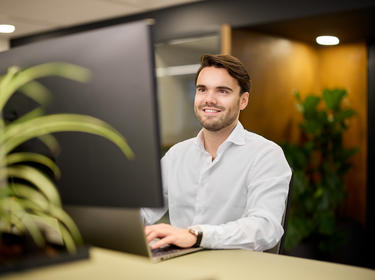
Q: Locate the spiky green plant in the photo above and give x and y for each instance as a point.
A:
(29, 207)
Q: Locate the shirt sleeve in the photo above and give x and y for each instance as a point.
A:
(152, 215)
(260, 227)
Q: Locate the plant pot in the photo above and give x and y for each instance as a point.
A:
(18, 253)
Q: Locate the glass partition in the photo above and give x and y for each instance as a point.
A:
(177, 62)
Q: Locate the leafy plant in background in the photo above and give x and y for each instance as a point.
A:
(319, 164)
(29, 200)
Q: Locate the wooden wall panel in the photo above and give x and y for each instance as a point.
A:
(278, 66)
(346, 67)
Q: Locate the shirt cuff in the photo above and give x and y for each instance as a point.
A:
(207, 231)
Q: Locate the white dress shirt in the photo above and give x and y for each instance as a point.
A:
(237, 199)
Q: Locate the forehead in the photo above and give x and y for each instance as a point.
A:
(215, 77)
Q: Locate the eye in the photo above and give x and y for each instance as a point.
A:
(223, 91)
(201, 89)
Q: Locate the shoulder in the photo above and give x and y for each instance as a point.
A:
(266, 155)
(181, 148)
(259, 143)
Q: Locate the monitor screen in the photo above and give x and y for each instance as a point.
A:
(122, 93)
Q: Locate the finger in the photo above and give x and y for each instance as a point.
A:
(157, 233)
(162, 242)
(148, 232)
(157, 227)
(151, 236)
(148, 229)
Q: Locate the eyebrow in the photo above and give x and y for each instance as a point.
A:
(224, 87)
(219, 87)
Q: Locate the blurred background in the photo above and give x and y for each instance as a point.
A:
(332, 210)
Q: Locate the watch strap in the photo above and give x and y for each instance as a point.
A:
(198, 234)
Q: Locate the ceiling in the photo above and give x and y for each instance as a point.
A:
(34, 16)
(349, 26)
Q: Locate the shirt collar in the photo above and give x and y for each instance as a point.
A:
(237, 136)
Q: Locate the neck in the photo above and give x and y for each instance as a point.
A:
(213, 139)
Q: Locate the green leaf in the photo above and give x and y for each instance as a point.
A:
(17, 134)
(312, 126)
(62, 216)
(38, 179)
(30, 194)
(16, 79)
(333, 97)
(326, 221)
(299, 227)
(68, 240)
(33, 157)
(49, 140)
(51, 143)
(27, 221)
(344, 114)
(309, 105)
(28, 116)
(5, 84)
(47, 225)
(37, 92)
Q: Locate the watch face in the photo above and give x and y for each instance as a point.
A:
(194, 231)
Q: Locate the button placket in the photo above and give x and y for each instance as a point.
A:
(201, 187)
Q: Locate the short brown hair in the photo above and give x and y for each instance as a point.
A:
(232, 64)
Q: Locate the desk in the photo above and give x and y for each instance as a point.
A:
(210, 264)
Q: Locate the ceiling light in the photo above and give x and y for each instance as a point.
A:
(7, 28)
(327, 40)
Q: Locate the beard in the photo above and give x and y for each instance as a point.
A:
(226, 118)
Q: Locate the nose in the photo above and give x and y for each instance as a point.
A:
(210, 97)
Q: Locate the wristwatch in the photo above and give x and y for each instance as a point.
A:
(198, 234)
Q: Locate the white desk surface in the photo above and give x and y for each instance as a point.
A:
(208, 264)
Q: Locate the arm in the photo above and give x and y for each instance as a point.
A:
(169, 235)
(259, 230)
(260, 227)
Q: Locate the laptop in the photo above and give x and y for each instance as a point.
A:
(120, 229)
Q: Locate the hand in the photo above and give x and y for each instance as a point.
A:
(169, 235)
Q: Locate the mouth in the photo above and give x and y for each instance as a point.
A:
(211, 111)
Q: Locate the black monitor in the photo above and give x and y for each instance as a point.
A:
(122, 93)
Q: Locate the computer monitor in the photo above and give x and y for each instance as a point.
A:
(122, 93)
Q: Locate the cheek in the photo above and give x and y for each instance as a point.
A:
(197, 100)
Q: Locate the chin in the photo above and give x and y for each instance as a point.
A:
(212, 126)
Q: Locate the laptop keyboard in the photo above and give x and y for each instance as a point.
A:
(170, 249)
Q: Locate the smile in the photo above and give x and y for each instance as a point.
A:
(209, 110)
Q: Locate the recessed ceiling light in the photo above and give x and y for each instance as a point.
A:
(7, 28)
(327, 40)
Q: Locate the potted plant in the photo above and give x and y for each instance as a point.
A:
(320, 163)
(30, 205)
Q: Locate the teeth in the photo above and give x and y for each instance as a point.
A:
(210, 111)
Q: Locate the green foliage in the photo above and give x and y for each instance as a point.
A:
(34, 205)
(319, 164)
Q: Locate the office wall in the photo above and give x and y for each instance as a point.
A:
(346, 67)
(279, 66)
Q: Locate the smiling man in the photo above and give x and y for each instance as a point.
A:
(227, 187)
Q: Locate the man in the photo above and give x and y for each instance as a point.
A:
(227, 187)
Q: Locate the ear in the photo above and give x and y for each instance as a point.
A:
(244, 99)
